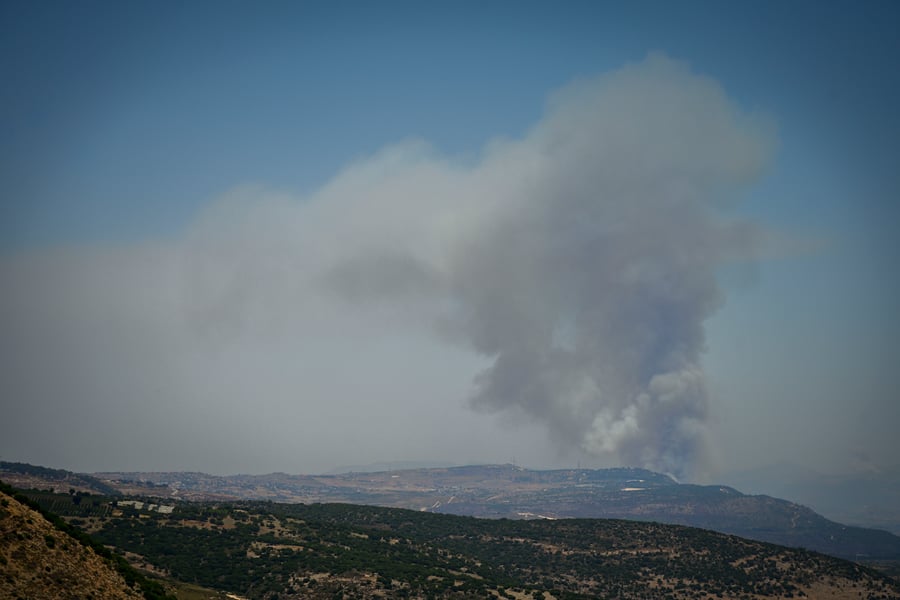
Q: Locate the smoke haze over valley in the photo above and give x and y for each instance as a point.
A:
(532, 247)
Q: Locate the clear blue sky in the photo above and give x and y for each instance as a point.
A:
(121, 123)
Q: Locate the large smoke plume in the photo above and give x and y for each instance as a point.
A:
(585, 262)
(580, 261)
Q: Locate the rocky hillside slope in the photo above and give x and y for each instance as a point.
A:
(37, 560)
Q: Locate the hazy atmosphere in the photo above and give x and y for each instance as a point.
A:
(245, 238)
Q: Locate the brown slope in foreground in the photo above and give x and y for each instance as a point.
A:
(39, 561)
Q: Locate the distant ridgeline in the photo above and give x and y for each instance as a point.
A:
(23, 475)
(263, 550)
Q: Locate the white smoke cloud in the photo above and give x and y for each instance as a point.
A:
(579, 261)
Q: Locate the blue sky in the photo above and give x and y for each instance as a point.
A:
(172, 104)
(124, 123)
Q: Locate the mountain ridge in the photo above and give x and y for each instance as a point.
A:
(509, 491)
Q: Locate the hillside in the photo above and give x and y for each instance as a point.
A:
(25, 476)
(500, 491)
(37, 560)
(868, 498)
(264, 550)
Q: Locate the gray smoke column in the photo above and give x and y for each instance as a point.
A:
(582, 260)
(590, 288)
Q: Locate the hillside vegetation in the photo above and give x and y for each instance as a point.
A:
(513, 492)
(498, 491)
(262, 550)
(25, 476)
(40, 560)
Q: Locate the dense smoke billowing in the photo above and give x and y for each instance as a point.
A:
(584, 261)
(580, 261)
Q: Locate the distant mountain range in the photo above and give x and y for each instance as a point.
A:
(868, 498)
(507, 491)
